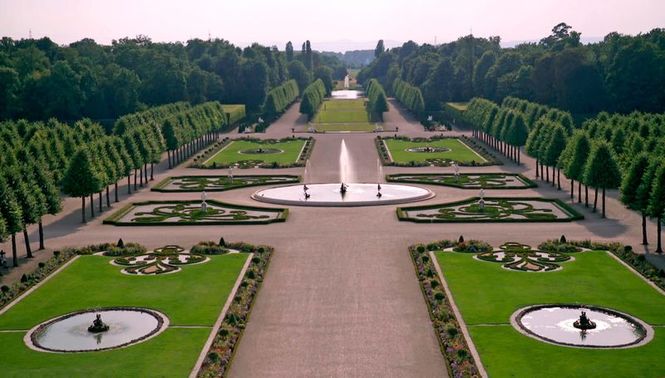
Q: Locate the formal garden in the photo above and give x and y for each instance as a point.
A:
(74, 285)
(190, 213)
(251, 153)
(343, 115)
(183, 184)
(466, 180)
(435, 151)
(492, 209)
(483, 293)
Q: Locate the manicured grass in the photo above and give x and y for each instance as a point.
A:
(342, 111)
(231, 153)
(457, 151)
(487, 295)
(364, 127)
(192, 297)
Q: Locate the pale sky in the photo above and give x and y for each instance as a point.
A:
(347, 23)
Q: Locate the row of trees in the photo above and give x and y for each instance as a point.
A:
(607, 152)
(312, 98)
(621, 73)
(40, 79)
(280, 97)
(39, 159)
(377, 102)
(409, 95)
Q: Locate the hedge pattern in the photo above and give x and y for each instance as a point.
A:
(312, 98)
(410, 96)
(280, 97)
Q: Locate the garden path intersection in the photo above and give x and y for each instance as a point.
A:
(340, 297)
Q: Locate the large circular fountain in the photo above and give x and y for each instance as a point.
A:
(96, 330)
(346, 192)
(589, 327)
(331, 194)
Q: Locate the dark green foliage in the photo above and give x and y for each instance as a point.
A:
(82, 177)
(657, 198)
(576, 152)
(632, 180)
(280, 97)
(410, 96)
(312, 98)
(377, 103)
(601, 169)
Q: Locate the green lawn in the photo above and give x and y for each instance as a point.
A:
(458, 151)
(487, 295)
(231, 153)
(356, 127)
(342, 111)
(192, 297)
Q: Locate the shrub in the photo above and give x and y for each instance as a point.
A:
(439, 296)
(208, 248)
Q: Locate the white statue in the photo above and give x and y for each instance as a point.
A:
(260, 120)
(456, 169)
(204, 205)
(230, 173)
(204, 196)
(482, 193)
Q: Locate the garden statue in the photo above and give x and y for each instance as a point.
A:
(481, 203)
(204, 205)
(456, 169)
(98, 325)
(342, 189)
(378, 191)
(584, 322)
(482, 193)
(230, 173)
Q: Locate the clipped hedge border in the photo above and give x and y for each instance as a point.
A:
(384, 155)
(114, 219)
(528, 183)
(305, 153)
(223, 349)
(453, 345)
(573, 215)
(162, 184)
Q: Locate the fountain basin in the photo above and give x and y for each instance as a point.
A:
(554, 324)
(328, 195)
(69, 333)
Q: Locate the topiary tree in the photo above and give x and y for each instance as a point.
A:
(577, 152)
(601, 170)
(629, 190)
(657, 201)
(51, 194)
(82, 178)
(553, 149)
(518, 134)
(11, 214)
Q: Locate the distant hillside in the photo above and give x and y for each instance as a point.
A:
(354, 59)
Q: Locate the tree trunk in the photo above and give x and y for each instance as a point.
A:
(558, 178)
(572, 190)
(537, 175)
(141, 177)
(41, 235)
(579, 192)
(547, 173)
(659, 249)
(603, 202)
(586, 195)
(168, 154)
(135, 180)
(116, 192)
(595, 200)
(644, 229)
(101, 204)
(26, 239)
(92, 206)
(152, 171)
(83, 209)
(129, 183)
(108, 196)
(519, 156)
(14, 254)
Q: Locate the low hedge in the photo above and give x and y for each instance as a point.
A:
(573, 215)
(226, 341)
(199, 161)
(528, 183)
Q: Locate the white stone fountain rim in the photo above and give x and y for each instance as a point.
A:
(163, 324)
(517, 315)
(255, 196)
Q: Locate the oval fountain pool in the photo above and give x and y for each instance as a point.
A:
(560, 324)
(71, 332)
(330, 195)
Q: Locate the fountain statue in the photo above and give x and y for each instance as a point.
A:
(342, 189)
(204, 205)
(378, 191)
(98, 325)
(584, 322)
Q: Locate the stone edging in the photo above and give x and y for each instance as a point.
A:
(220, 319)
(517, 325)
(458, 316)
(36, 286)
(162, 325)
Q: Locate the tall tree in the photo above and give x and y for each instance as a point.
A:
(289, 51)
(579, 147)
(380, 49)
(82, 178)
(51, 193)
(657, 202)
(629, 190)
(601, 170)
(11, 213)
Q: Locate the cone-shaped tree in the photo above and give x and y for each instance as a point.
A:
(629, 189)
(81, 177)
(657, 201)
(518, 133)
(576, 152)
(601, 169)
(51, 193)
(30, 198)
(11, 213)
